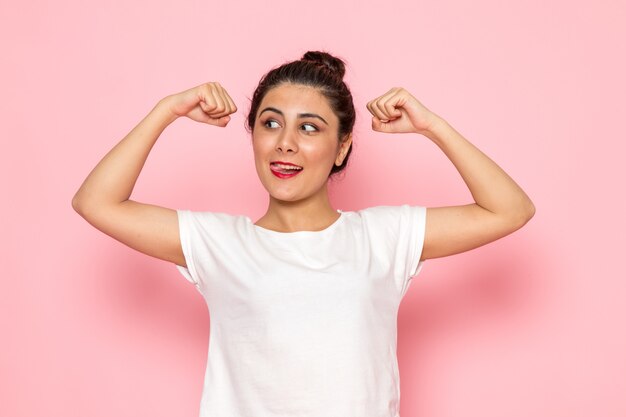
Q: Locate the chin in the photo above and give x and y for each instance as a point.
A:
(284, 197)
(282, 193)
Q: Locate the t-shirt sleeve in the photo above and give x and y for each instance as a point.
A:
(209, 241)
(413, 228)
(399, 233)
(186, 230)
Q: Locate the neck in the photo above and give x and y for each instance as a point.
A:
(313, 214)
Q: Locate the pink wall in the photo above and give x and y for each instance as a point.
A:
(531, 325)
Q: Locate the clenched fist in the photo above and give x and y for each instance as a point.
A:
(397, 111)
(206, 103)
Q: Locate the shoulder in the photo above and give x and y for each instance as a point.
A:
(392, 220)
(391, 213)
(211, 221)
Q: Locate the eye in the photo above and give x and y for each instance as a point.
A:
(307, 127)
(272, 124)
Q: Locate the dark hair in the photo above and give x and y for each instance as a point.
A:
(321, 71)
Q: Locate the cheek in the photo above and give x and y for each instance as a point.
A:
(259, 145)
(257, 152)
(320, 154)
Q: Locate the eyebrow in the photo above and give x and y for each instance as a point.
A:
(300, 115)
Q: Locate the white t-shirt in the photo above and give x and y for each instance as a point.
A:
(303, 323)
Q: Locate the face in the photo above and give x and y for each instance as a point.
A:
(296, 125)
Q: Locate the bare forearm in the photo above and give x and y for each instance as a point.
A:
(114, 178)
(492, 188)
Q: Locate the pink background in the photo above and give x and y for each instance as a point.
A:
(531, 325)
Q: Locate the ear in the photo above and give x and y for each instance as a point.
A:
(344, 147)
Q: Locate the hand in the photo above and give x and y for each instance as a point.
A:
(397, 111)
(206, 103)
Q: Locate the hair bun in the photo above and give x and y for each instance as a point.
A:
(335, 65)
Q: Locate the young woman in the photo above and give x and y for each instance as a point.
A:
(303, 302)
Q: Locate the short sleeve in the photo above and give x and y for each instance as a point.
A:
(413, 228)
(185, 229)
(210, 241)
(397, 234)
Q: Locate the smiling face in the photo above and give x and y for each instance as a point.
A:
(296, 125)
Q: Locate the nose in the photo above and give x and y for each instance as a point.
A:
(287, 142)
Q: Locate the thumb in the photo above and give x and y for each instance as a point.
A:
(221, 122)
(379, 126)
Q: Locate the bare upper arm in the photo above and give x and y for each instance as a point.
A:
(150, 229)
(455, 229)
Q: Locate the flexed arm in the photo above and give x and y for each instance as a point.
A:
(103, 198)
(500, 206)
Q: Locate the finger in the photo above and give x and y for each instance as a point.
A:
(221, 121)
(377, 112)
(369, 107)
(198, 114)
(381, 110)
(386, 104)
(389, 107)
(207, 101)
(378, 125)
(223, 106)
(220, 105)
(230, 105)
(207, 107)
(232, 108)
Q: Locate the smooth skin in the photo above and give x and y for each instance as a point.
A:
(296, 124)
(500, 205)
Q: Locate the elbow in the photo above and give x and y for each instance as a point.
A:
(76, 203)
(79, 205)
(80, 208)
(526, 210)
(530, 211)
(90, 208)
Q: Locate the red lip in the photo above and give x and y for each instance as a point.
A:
(284, 163)
(285, 175)
(281, 175)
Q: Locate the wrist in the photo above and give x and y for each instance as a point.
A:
(164, 110)
(435, 128)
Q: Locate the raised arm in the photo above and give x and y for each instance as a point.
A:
(104, 197)
(500, 206)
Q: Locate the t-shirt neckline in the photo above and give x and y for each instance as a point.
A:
(299, 233)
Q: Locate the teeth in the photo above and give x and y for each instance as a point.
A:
(281, 166)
